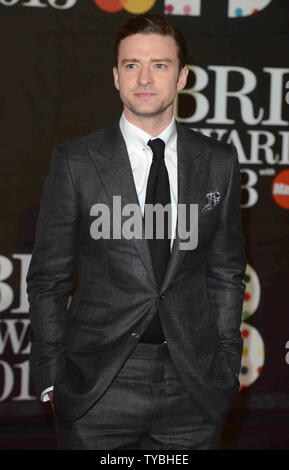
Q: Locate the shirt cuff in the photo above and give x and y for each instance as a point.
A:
(44, 395)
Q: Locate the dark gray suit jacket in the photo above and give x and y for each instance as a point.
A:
(80, 349)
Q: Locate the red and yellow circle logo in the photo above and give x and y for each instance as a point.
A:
(280, 189)
(136, 7)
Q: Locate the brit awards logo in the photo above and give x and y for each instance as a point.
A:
(280, 189)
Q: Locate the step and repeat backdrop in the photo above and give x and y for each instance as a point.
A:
(56, 84)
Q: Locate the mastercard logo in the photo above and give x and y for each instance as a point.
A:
(280, 189)
(132, 6)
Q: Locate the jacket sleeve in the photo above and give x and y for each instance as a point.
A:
(51, 273)
(226, 270)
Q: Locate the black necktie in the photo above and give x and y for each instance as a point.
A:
(158, 191)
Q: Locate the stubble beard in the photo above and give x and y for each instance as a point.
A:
(142, 113)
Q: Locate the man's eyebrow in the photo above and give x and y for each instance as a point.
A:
(129, 60)
(165, 59)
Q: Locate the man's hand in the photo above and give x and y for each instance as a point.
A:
(50, 394)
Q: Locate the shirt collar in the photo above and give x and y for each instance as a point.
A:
(136, 138)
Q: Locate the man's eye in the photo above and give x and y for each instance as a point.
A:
(160, 66)
(130, 66)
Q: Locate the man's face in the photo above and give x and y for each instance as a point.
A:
(147, 75)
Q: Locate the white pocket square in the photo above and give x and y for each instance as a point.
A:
(212, 199)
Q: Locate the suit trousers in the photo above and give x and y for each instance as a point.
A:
(146, 407)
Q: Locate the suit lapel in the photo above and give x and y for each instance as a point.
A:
(112, 163)
(193, 171)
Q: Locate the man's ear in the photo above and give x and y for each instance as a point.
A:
(115, 76)
(182, 80)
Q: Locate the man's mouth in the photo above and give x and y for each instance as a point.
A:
(144, 94)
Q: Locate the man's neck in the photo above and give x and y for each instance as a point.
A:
(152, 125)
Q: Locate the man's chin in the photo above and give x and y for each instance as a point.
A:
(146, 111)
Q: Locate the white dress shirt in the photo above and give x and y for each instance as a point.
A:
(140, 157)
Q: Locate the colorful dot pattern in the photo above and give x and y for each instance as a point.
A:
(239, 11)
(240, 8)
(135, 7)
(237, 8)
(183, 7)
(253, 348)
(252, 356)
(252, 293)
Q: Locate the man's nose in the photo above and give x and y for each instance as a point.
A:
(145, 76)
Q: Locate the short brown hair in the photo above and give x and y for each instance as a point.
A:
(151, 24)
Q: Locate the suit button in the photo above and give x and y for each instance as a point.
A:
(162, 297)
(135, 335)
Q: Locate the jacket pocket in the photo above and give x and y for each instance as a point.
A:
(95, 302)
(88, 311)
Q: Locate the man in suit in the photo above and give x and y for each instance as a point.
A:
(148, 352)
